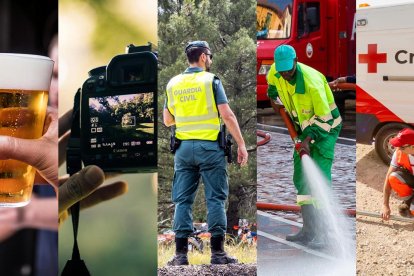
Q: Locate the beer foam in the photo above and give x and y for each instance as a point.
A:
(25, 72)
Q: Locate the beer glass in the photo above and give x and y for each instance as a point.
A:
(24, 86)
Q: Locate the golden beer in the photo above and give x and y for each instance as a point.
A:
(23, 104)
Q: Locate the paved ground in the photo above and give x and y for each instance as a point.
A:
(276, 256)
(275, 185)
(275, 170)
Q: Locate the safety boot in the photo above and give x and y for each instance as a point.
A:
(305, 234)
(218, 255)
(317, 228)
(404, 207)
(181, 250)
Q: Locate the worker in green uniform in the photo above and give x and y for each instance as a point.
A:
(308, 100)
(195, 102)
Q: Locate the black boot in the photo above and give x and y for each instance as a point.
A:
(181, 250)
(404, 207)
(218, 255)
(305, 234)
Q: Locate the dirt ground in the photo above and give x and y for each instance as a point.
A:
(383, 248)
(209, 270)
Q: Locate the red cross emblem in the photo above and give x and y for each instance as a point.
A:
(372, 58)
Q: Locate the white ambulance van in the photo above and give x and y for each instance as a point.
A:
(385, 71)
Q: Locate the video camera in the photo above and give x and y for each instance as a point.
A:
(115, 115)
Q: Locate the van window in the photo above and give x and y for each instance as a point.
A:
(308, 18)
(273, 19)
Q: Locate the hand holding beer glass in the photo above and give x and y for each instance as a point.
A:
(24, 86)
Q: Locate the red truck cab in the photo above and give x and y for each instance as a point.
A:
(321, 31)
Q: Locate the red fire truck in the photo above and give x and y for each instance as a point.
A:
(385, 71)
(321, 31)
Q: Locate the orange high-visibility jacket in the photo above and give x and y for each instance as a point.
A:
(403, 160)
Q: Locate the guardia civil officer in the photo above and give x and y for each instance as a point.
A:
(195, 102)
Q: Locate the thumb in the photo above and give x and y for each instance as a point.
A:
(79, 186)
(25, 150)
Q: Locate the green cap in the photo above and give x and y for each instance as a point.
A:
(197, 44)
(284, 57)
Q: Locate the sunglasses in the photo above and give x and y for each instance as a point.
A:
(210, 55)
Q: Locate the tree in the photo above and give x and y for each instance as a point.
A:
(229, 28)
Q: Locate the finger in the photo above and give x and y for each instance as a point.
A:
(110, 175)
(105, 193)
(65, 122)
(79, 186)
(63, 179)
(25, 150)
(51, 116)
(63, 216)
(63, 143)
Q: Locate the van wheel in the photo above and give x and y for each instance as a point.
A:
(382, 146)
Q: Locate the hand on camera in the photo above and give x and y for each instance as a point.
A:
(85, 185)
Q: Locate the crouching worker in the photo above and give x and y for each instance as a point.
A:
(400, 175)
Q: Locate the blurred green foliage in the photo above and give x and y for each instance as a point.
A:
(113, 30)
(229, 28)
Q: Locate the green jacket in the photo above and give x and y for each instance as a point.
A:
(308, 100)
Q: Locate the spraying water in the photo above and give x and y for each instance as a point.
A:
(335, 227)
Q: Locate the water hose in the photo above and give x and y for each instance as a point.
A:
(292, 208)
(278, 108)
(346, 86)
(291, 128)
(264, 135)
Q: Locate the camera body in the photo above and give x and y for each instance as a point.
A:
(118, 113)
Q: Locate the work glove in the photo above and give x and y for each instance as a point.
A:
(302, 147)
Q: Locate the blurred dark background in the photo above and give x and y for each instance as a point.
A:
(28, 27)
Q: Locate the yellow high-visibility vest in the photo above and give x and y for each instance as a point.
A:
(309, 101)
(190, 99)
